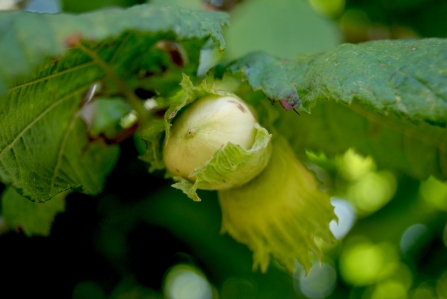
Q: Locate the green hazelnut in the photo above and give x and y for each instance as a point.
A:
(206, 126)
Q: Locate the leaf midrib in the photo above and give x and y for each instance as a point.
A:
(61, 151)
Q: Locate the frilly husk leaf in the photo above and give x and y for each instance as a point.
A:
(187, 95)
(280, 212)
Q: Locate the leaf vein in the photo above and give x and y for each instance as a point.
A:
(423, 83)
(53, 75)
(61, 151)
(40, 116)
(123, 42)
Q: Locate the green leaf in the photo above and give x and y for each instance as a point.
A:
(153, 137)
(32, 218)
(406, 78)
(106, 115)
(29, 39)
(279, 212)
(419, 150)
(293, 27)
(387, 99)
(49, 63)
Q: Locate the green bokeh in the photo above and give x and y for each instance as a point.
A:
(284, 28)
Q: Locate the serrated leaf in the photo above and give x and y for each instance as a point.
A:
(29, 38)
(406, 78)
(34, 219)
(50, 61)
(396, 96)
(152, 136)
(279, 212)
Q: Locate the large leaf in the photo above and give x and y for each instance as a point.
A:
(293, 27)
(417, 150)
(407, 78)
(50, 61)
(28, 38)
(387, 99)
(31, 218)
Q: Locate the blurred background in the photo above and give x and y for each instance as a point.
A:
(141, 238)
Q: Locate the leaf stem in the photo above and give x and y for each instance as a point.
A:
(122, 87)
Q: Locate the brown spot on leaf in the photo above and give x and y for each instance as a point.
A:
(239, 106)
(225, 5)
(290, 101)
(73, 40)
(55, 60)
(285, 104)
(173, 49)
(177, 58)
(172, 115)
(177, 170)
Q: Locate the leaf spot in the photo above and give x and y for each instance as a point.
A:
(73, 40)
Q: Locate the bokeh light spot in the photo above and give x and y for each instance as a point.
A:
(328, 7)
(444, 235)
(441, 286)
(424, 291)
(320, 282)
(186, 282)
(365, 263)
(346, 217)
(372, 192)
(434, 192)
(412, 238)
(353, 166)
(403, 275)
(389, 289)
